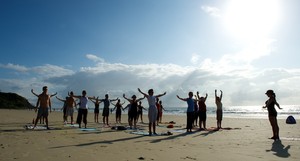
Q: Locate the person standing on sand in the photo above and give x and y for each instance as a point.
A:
(96, 110)
(140, 111)
(69, 105)
(202, 111)
(64, 108)
(196, 112)
(83, 108)
(133, 110)
(158, 110)
(219, 112)
(44, 103)
(118, 108)
(105, 112)
(160, 113)
(152, 110)
(190, 111)
(37, 95)
(270, 105)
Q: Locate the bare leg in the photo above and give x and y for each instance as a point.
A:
(154, 128)
(46, 118)
(150, 132)
(107, 120)
(142, 118)
(36, 121)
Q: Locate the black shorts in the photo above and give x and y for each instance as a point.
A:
(105, 112)
(132, 115)
(202, 115)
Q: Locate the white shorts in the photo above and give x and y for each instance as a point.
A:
(70, 111)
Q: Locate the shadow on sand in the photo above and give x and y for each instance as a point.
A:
(279, 149)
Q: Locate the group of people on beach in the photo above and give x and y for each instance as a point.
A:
(196, 108)
(134, 108)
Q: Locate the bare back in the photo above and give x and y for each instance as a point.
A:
(70, 102)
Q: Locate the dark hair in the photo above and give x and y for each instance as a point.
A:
(271, 92)
(150, 90)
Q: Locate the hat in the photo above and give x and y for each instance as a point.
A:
(270, 91)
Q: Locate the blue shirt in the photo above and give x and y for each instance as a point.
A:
(190, 102)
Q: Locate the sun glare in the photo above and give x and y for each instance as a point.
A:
(251, 19)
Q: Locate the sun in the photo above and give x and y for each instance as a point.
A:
(251, 19)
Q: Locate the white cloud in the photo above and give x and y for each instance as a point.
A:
(95, 58)
(241, 86)
(16, 67)
(45, 71)
(213, 11)
(195, 58)
(49, 70)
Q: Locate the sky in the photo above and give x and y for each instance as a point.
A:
(242, 47)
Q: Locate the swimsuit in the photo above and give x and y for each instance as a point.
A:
(271, 109)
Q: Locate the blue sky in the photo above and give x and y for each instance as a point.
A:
(241, 47)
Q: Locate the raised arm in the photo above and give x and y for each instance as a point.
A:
(140, 99)
(34, 93)
(123, 103)
(181, 98)
(146, 95)
(198, 97)
(129, 100)
(53, 94)
(216, 93)
(126, 107)
(74, 95)
(114, 99)
(206, 95)
(113, 104)
(93, 99)
(50, 104)
(62, 100)
(161, 94)
(221, 95)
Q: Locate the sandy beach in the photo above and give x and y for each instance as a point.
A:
(241, 139)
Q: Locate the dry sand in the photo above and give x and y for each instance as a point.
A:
(243, 140)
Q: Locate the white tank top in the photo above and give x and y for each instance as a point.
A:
(83, 102)
(151, 100)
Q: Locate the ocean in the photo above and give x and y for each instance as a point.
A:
(243, 111)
